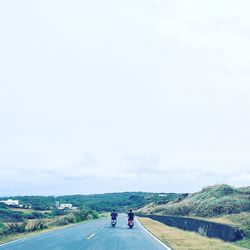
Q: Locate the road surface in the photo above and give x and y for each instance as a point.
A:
(93, 235)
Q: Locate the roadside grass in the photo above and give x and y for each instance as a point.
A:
(12, 237)
(241, 220)
(244, 243)
(17, 236)
(29, 210)
(25, 211)
(182, 240)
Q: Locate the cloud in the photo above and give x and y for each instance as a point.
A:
(100, 97)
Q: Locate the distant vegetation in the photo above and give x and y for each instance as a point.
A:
(8, 215)
(98, 202)
(117, 201)
(37, 202)
(12, 222)
(210, 201)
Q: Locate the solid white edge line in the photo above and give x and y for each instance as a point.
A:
(159, 241)
(34, 235)
(40, 233)
(7, 243)
(90, 236)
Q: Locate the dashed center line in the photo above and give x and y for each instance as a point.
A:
(92, 235)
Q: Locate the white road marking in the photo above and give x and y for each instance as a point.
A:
(41, 233)
(7, 243)
(92, 235)
(167, 247)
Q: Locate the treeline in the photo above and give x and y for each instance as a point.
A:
(99, 202)
(37, 202)
(7, 215)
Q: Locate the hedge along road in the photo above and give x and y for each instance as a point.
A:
(93, 235)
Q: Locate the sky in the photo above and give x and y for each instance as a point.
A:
(110, 96)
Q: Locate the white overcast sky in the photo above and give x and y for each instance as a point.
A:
(119, 95)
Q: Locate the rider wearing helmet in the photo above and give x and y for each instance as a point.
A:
(113, 215)
(131, 215)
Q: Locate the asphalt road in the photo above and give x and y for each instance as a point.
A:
(93, 235)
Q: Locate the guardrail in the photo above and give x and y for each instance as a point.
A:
(203, 227)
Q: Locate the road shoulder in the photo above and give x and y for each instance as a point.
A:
(181, 240)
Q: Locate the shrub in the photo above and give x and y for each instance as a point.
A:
(16, 227)
(3, 228)
(35, 215)
(40, 225)
(7, 215)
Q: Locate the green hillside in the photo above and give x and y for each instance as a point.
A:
(219, 203)
(210, 201)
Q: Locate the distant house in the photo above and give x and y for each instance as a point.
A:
(26, 206)
(10, 202)
(68, 206)
(65, 206)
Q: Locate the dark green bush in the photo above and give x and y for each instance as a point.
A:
(3, 228)
(35, 215)
(16, 227)
(7, 215)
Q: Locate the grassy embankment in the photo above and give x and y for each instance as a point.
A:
(182, 240)
(219, 203)
(242, 221)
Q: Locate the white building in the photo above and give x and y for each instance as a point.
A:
(65, 206)
(11, 202)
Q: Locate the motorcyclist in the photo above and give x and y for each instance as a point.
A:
(113, 215)
(131, 215)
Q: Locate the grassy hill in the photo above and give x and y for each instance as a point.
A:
(219, 203)
(210, 201)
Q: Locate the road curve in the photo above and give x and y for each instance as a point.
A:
(93, 235)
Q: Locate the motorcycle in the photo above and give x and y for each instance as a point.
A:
(130, 223)
(113, 223)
